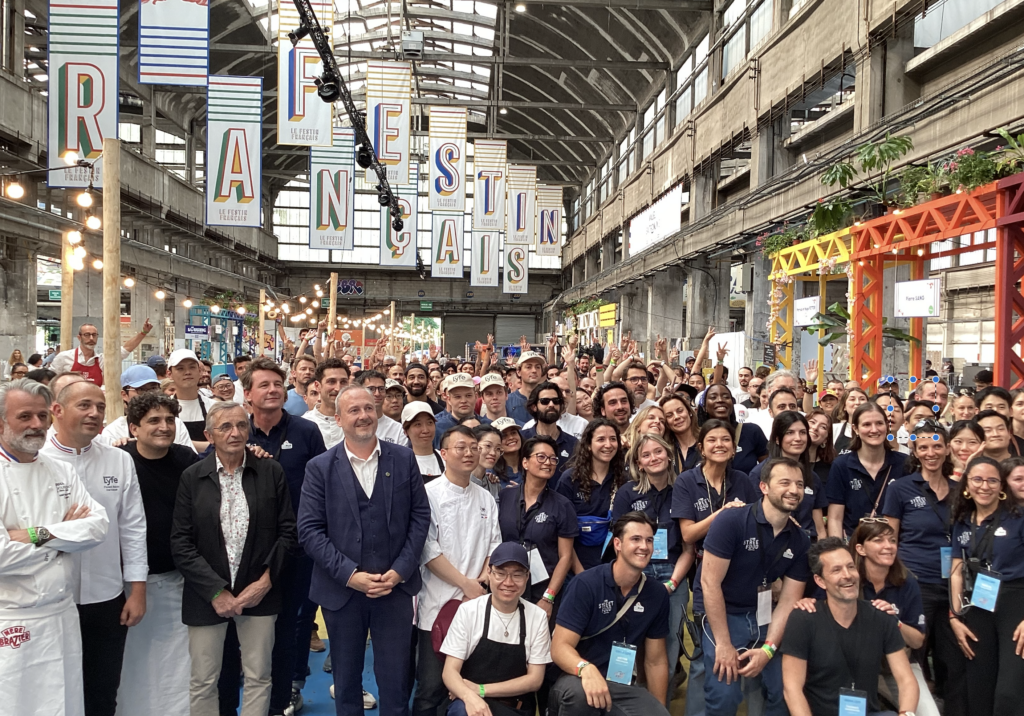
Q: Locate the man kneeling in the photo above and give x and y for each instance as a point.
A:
(606, 612)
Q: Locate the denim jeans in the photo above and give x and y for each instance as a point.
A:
(723, 699)
(662, 571)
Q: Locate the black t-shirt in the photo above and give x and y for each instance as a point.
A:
(158, 482)
(831, 652)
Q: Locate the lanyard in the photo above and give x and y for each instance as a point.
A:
(725, 488)
(981, 549)
(762, 547)
(881, 491)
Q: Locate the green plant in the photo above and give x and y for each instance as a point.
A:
(586, 306)
(878, 157)
(829, 216)
(841, 173)
(971, 169)
(917, 184)
(772, 244)
(1010, 159)
(835, 324)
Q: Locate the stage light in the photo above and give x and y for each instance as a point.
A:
(364, 157)
(398, 225)
(383, 195)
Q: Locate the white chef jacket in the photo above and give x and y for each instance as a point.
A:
(329, 427)
(108, 474)
(119, 429)
(63, 361)
(239, 392)
(463, 528)
(568, 423)
(33, 579)
(390, 431)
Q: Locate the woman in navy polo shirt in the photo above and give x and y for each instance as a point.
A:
(681, 431)
(858, 479)
(822, 451)
(596, 471)
(988, 537)
(750, 444)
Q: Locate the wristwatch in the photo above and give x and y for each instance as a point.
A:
(42, 536)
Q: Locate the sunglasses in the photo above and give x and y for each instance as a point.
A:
(874, 520)
(549, 401)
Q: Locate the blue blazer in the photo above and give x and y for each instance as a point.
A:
(330, 526)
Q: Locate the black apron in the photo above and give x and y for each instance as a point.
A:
(493, 662)
(197, 428)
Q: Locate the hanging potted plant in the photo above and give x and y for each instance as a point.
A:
(1010, 158)
(836, 324)
(872, 158)
(829, 216)
(971, 169)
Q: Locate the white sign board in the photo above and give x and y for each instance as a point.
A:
(657, 222)
(197, 332)
(917, 299)
(804, 310)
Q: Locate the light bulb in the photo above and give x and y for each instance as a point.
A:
(187, 303)
(74, 237)
(215, 308)
(240, 310)
(15, 190)
(309, 311)
(285, 308)
(520, 7)
(93, 222)
(316, 287)
(319, 294)
(502, 111)
(129, 282)
(387, 311)
(71, 158)
(85, 199)
(302, 299)
(270, 303)
(97, 264)
(77, 265)
(160, 295)
(78, 252)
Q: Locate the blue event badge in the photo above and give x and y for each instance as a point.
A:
(853, 702)
(660, 544)
(620, 665)
(986, 591)
(946, 560)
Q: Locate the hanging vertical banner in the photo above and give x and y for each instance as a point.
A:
(549, 220)
(83, 84)
(303, 118)
(388, 113)
(234, 150)
(332, 192)
(517, 278)
(398, 249)
(484, 256)
(521, 216)
(447, 189)
(489, 157)
(174, 42)
(446, 245)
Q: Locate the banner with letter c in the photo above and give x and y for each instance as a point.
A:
(549, 220)
(398, 248)
(388, 113)
(331, 192)
(447, 187)
(484, 257)
(521, 216)
(517, 277)
(489, 159)
(234, 151)
(303, 119)
(446, 245)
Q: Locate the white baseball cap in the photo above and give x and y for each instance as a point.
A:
(391, 384)
(181, 354)
(530, 355)
(490, 379)
(410, 411)
(458, 380)
(502, 424)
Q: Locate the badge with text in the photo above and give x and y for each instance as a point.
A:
(986, 591)
(853, 702)
(660, 544)
(620, 666)
(538, 572)
(946, 560)
(764, 606)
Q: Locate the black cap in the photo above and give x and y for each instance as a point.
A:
(507, 552)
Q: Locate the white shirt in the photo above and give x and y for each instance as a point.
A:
(390, 431)
(33, 580)
(190, 410)
(239, 393)
(463, 528)
(108, 474)
(430, 465)
(568, 423)
(234, 514)
(762, 419)
(119, 429)
(467, 630)
(329, 427)
(365, 470)
(63, 361)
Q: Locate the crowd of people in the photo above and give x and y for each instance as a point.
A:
(574, 531)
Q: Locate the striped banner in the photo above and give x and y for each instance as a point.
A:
(332, 173)
(174, 42)
(83, 85)
(549, 220)
(234, 150)
(517, 278)
(447, 188)
(521, 216)
(303, 119)
(446, 245)
(484, 256)
(489, 159)
(398, 249)
(388, 111)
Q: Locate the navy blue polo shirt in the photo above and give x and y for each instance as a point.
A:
(737, 535)
(549, 518)
(753, 446)
(682, 464)
(293, 442)
(565, 443)
(598, 505)
(446, 420)
(814, 499)
(591, 601)
(924, 524)
(515, 408)
(693, 499)
(907, 598)
(1007, 544)
(850, 485)
(658, 506)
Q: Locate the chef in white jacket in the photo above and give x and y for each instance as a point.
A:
(99, 576)
(45, 513)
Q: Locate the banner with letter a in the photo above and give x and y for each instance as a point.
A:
(447, 188)
(174, 42)
(303, 119)
(484, 256)
(332, 192)
(388, 112)
(234, 150)
(521, 217)
(82, 101)
(549, 220)
(398, 248)
(489, 159)
(446, 245)
(517, 278)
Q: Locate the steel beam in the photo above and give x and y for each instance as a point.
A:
(674, 5)
(489, 135)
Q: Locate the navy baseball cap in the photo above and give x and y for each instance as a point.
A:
(156, 360)
(508, 552)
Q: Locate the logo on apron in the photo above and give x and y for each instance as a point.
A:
(14, 636)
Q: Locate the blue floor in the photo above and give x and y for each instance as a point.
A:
(317, 694)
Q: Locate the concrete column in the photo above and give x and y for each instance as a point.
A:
(757, 311)
(149, 128)
(16, 38)
(18, 303)
(608, 258)
(707, 299)
(703, 192)
(781, 14)
(900, 90)
(666, 305)
(190, 156)
(593, 263)
(869, 103)
(578, 271)
(770, 157)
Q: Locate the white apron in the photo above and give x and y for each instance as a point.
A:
(155, 674)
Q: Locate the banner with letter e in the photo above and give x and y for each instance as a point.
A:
(388, 113)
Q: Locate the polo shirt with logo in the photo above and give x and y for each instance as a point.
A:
(566, 445)
(850, 485)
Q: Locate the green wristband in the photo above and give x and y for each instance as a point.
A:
(481, 691)
(32, 535)
(219, 592)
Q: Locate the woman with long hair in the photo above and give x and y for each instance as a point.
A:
(986, 588)
(696, 381)
(596, 471)
(681, 431)
(647, 420)
(749, 443)
(893, 407)
(842, 432)
(16, 357)
(822, 451)
(489, 441)
(508, 465)
(966, 441)
(1014, 468)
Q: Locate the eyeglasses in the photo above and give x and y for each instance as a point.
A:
(988, 482)
(463, 450)
(874, 520)
(227, 428)
(544, 459)
(375, 388)
(637, 379)
(549, 401)
(518, 577)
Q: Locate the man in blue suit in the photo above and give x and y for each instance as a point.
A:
(363, 519)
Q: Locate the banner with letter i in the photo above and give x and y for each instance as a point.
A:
(446, 245)
(303, 119)
(517, 278)
(234, 150)
(447, 188)
(398, 249)
(489, 159)
(83, 83)
(521, 216)
(388, 113)
(485, 258)
(332, 192)
(549, 220)
(174, 42)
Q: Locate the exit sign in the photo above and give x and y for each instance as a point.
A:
(325, 303)
(426, 305)
(54, 294)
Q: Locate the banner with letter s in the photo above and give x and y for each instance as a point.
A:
(234, 150)
(398, 248)
(303, 119)
(332, 192)
(484, 257)
(388, 113)
(447, 187)
(549, 220)
(521, 217)
(489, 174)
(517, 277)
(446, 245)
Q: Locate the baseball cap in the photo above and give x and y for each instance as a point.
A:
(490, 379)
(530, 355)
(181, 354)
(391, 384)
(410, 411)
(828, 392)
(502, 424)
(458, 380)
(155, 361)
(510, 553)
(137, 376)
(221, 376)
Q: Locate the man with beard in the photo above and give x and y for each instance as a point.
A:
(135, 381)
(614, 402)
(583, 364)
(459, 391)
(206, 370)
(85, 360)
(47, 513)
(417, 381)
(638, 380)
(303, 372)
(530, 368)
(569, 421)
(99, 575)
(545, 404)
(331, 376)
(388, 430)
(185, 370)
(746, 550)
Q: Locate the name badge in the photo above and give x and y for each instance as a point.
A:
(986, 591)
(764, 606)
(286, 445)
(538, 572)
(660, 544)
(620, 665)
(946, 560)
(853, 702)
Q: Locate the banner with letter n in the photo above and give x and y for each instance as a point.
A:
(517, 278)
(484, 256)
(549, 220)
(234, 113)
(174, 42)
(303, 119)
(446, 245)
(398, 249)
(447, 188)
(388, 113)
(489, 159)
(332, 192)
(521, 214)
(83, 83)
